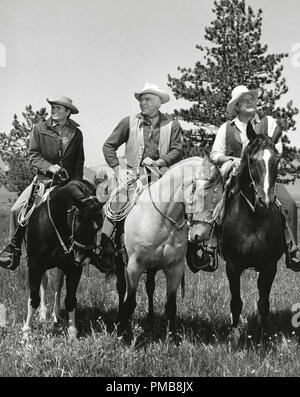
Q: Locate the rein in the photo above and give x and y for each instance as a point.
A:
(66, 250)
(178, 227)
(71, 238)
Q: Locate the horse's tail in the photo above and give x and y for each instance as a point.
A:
(183, 286)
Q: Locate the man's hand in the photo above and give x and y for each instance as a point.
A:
(54, 169)
(148, 161)
(231, 164)
(236, 161)
(160, 163)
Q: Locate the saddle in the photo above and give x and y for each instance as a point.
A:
(39, 193)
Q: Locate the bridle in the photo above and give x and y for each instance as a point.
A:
(188, 216)
(253, 184)
(73, 242)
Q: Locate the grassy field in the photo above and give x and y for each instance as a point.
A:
(203, 326)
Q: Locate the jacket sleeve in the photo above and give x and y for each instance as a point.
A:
(35, 156)
(119, 136)
(175, 153)
(78, 174)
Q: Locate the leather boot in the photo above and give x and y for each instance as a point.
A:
(106, 257)
(10, 256)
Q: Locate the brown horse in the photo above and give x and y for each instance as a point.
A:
(62, 233)
(252, 232)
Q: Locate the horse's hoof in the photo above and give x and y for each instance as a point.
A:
(72, 332)
(43, 315)
(26, 332)
(174, 337)
(149, 324)
(235, 338)
(56, 318)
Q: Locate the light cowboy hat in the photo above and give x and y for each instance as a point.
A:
(154, 89)
(64, 101)
(237, 93)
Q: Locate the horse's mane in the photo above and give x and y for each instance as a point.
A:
(85, 186)
(214, 179)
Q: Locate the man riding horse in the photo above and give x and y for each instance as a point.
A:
(152, 139)
(54, 145)
(231, 140)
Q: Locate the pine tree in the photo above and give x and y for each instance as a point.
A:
(14, 150)
(234, 57)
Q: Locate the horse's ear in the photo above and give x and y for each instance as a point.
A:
(251, 134)
(277, 134)
(84, 202)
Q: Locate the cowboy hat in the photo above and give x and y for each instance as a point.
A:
(237, 93)
(64, 101)
(154, 89)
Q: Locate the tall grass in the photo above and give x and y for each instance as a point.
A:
(203, 323)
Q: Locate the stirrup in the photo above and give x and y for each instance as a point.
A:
(12, 257)
(292, 261)
(213, 263)
(104, 258)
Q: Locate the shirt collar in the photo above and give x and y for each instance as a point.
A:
(254, 121)
(161, 117)
(70, 123)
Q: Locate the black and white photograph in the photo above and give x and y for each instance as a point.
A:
(149, 191)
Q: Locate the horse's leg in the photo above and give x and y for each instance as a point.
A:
(121, 282)
(43, 289)
(150, 287)
(73, 274)
(58, 287)
(236, 304)
(173, 276)
(264, 283)
(132, 274)
(35, 276)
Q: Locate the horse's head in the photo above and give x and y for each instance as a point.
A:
(85, 218)
(259, 166)
(202, 195)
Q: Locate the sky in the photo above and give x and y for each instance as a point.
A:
(99, 52)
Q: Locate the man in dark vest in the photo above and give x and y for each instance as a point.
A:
(226, 152)
(54, 145)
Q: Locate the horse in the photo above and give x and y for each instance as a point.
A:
(156, 235)
(252, 233)
(61, 233)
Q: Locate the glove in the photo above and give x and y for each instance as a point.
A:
(229, 165)
(54, 169)
(148, 161)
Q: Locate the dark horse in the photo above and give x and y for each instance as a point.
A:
(62, 233)
(252, 229)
